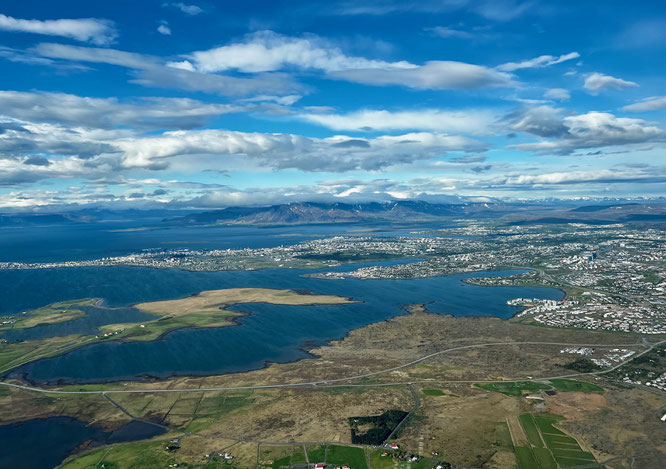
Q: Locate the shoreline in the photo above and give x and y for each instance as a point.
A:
(404, 310)
(235, 319)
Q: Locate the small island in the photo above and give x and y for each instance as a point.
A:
(204, 309)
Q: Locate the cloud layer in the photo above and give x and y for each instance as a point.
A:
(590, 130)
(200, 105)
(597, 82)
(267, 51)
(96, 31)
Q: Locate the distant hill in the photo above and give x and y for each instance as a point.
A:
(419, 211)
(33, 219)
(399, 211)
(598, 208)
(90, 215)
(601, 214)
(310, 212)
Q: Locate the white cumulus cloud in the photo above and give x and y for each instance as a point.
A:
(164, 28)
(150, 71)
(288, 151)
(589, 130)
(647, 104)
(557, 93)
(96, 31)
(69, 109)
(191, 10)
(266, 51)
(477, 122)
(435, 75)
(597, 82)
(538, 62)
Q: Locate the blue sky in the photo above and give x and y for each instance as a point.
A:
(209, 104)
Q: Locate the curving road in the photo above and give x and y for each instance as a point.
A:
(332, 382)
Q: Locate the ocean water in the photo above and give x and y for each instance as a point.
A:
(85, 241)
(44, 443)
(269, 333)
(88, 324)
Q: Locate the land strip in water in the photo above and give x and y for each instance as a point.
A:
(205, 309)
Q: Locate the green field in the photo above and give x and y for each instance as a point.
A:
(570, 462)
(518, 388)
(571, 453)
(283, 462)
(298, 457)
(531, 430)
(513, 388)
(377, 461)
(561, 450)
(574, 385)
(346, 456)
(545, 458)
(204, 411)
(526, 458)
(278, 457)
(129, 456)
(545, 423)
(317, 453)
(438, 392)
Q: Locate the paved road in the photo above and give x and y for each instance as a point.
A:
(332, 382)
(126, 412)
(417, 404)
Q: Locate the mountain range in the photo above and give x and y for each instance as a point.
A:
(402, 211)
(419, 211)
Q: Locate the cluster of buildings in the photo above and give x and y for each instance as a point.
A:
(658, 382)
(540, 305)
(227, 456)
(624, 262)
(639, 318)
(109, 334)
(321, 465)
(604, 359)
(507, 281)
(309, 253)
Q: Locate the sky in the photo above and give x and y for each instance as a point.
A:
(201, 104)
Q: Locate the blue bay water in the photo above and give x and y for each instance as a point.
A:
(88, 324)
(269, 333)
(274, 333)
(85, 241)
(44, 443)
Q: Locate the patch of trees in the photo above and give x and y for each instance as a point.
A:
(584, 365)
(381, 427)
